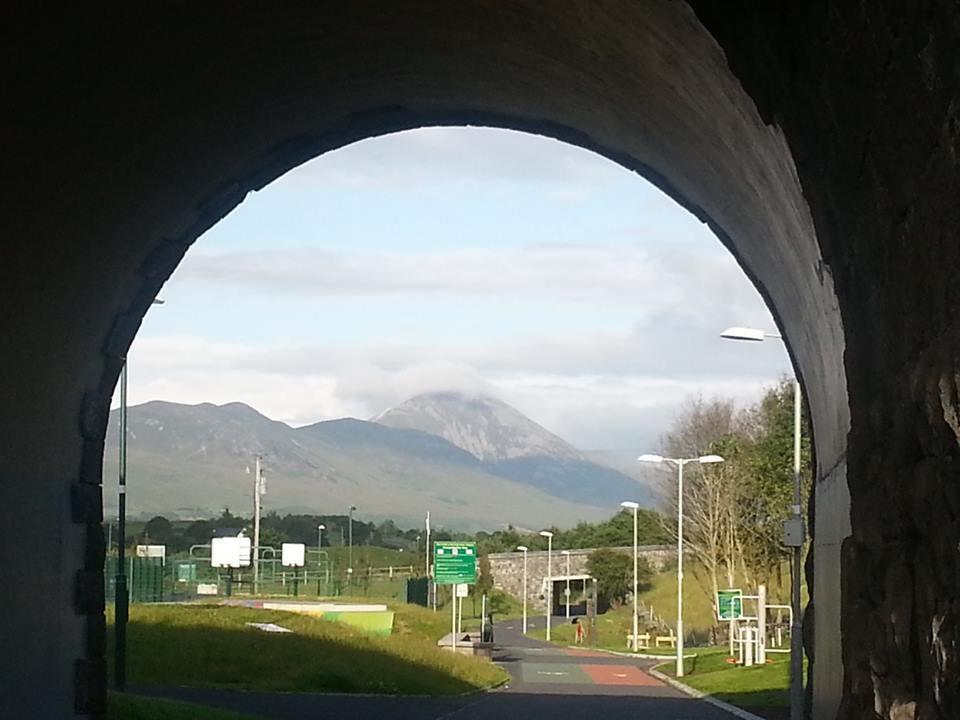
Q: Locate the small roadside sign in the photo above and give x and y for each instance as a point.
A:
(730, 604)
(463, 590)
(454, 563)
(292, 554)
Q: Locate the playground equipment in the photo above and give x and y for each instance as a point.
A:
(749, 633)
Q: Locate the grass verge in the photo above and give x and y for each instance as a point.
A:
(212, 646)
(761, 686)
(121, 706)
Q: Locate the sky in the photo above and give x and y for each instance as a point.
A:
(472, 259)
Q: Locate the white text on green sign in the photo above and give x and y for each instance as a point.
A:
(454, 563)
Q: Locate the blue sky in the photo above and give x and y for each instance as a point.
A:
(458, 258)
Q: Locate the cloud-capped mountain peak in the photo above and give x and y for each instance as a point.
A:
(484, 426)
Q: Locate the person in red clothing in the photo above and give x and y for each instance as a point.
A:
(579, 632)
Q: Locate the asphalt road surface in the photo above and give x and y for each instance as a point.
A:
(547, 683)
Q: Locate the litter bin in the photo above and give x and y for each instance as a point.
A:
(487, 634)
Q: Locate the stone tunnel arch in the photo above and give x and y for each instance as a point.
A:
(150, 130)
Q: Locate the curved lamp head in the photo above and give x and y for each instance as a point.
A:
(650, 458)
(707, 459)
(546, 533)
(522, 548)
(629, 505)
(744, 333)
(321, 527)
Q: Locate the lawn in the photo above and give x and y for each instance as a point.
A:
(661, 595)
(121, 706)
(761, 686)
(212, 646)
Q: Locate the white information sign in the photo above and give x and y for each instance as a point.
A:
(152, 551)
(206, 588)
(463, 590)
(230, 552)
(292, 554)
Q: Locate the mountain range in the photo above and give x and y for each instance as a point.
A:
(474, 462)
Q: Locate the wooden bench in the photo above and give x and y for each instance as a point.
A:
(643, 641)
(670, 640)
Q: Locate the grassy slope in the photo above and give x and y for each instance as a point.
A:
(130, 707)
(205, 645)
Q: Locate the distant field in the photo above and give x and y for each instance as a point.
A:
(211, 646)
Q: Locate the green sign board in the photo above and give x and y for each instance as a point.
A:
(729, 604)
(454, 563)
(186, 572)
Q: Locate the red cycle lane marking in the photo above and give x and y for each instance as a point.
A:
(586, 653)
(619, 675)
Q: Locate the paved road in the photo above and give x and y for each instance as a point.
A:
(547, 683)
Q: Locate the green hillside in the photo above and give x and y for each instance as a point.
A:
(193, 461)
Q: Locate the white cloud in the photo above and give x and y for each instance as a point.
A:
(589, 399)
(648, 279)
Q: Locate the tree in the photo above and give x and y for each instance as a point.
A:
(710, 493)
(614, 573)
(158, 531)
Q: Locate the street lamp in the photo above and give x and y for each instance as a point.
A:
(121, 598)
(567, 589)
(630, 505)
(524, 549)
(320, 529)
(350, 536)
(795, 538)
(549, 536)
(680, 462)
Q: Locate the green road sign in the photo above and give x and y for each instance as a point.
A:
(454, 563)
(729, 604)
(186, 572)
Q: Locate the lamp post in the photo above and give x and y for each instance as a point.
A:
(320, 529)
(350, 536)
(680, 462)
(796, 538)
(121, 599)
(549, 536)
(524, 549)
(630, 505)
(566, 590)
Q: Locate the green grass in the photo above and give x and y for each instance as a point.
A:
(130, 707)
(758, 686)
(661, 595)
(211, 646)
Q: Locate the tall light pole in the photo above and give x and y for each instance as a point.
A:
(549, 536)
(121, 598)
(566, 590)
(350, 536)
(795, 539)
(259, 489)
(524, 549)
(680, 462)
(630, 505)
(320, 529)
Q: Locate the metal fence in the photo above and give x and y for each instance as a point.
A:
(187, 576)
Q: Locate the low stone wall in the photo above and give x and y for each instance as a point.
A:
(507, 569)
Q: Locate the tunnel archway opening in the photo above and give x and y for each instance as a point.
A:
(668, 107)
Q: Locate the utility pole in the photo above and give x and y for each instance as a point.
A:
(350, 540)
(257, 492)
(427, 559)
